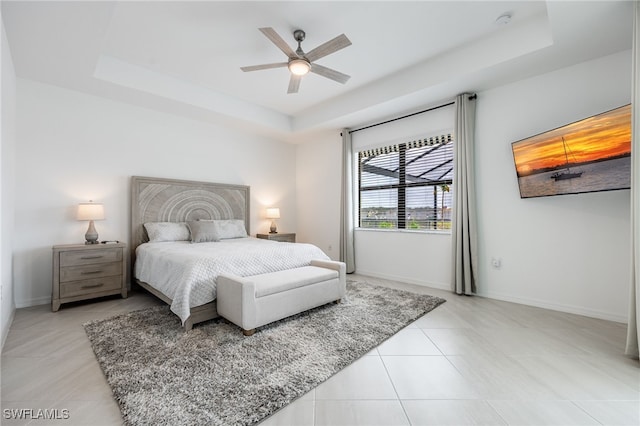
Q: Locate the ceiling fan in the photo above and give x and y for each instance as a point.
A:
(301, 63)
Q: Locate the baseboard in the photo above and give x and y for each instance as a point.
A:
(5, 331)
(560, 307)
(33, 302)
(570, 309)
(408, 280)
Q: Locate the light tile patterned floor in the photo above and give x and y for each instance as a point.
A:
(472, 361)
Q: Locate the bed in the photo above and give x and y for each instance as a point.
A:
(183, 274)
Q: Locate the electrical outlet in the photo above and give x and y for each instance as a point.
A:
(496, 262)
(330, 247)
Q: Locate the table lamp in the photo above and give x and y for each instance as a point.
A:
(91, 211)
(273, 213)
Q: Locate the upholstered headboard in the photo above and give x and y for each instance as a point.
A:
(171, 200)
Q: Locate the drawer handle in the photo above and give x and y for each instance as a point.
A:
(91, 257)
(90, 272)
(92, 285)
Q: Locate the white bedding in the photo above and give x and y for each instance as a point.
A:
(187, 272)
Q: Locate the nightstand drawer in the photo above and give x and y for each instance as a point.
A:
(84, 257)
(284, 237)
(78, 288)
(84, 272)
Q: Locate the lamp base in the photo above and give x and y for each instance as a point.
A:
(273, 229)
(92, 235)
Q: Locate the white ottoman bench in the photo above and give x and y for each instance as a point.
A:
(254, 301)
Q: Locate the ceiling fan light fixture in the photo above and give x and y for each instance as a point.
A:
(299, 67)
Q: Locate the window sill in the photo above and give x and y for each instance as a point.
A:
(406, 231)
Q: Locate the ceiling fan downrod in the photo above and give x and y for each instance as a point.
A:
(299, 36)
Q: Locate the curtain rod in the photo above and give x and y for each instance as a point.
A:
(471, 97)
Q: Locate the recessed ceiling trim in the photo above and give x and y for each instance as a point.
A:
(499, 47)
(134, 77)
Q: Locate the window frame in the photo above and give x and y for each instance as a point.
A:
(402, 185)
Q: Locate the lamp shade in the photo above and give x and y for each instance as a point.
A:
(90, 211)
(273, 213)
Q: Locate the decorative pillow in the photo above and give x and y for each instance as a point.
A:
(203, 231)
(167, 231)
(230, 228)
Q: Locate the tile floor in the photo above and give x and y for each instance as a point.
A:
(471, 361)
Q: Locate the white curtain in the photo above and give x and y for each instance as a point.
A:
(633, 329)
(464, 224)
(347, 252)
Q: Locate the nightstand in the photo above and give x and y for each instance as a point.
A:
(88, 271)
(282, 237)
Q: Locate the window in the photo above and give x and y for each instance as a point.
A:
(407, 186)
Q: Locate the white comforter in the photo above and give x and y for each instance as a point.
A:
(187, 272)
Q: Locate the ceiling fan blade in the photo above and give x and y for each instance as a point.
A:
(330, 73)
(278, 41)
(294, 83)
(264, 66)
(328, 48)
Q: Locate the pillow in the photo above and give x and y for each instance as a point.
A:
(167, 231)
(230, 228)
(203, 231)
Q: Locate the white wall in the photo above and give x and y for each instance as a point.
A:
(74, 147)
(318, 180)
(568, 252)
(8, 126)
(412, 257)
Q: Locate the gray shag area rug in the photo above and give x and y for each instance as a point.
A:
(213, 375)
